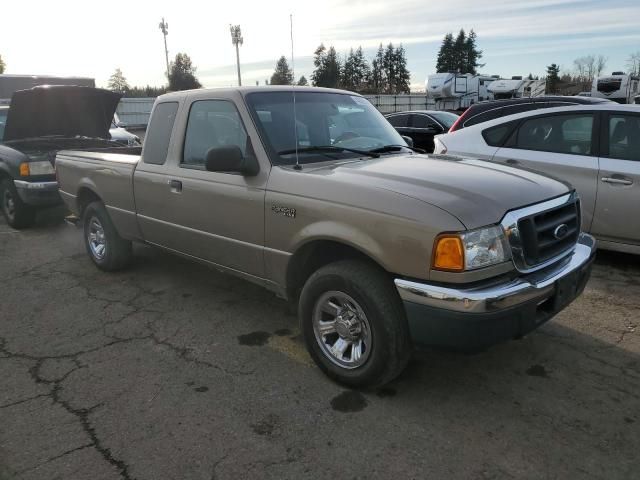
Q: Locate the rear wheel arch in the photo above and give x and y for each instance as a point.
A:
(86, 196)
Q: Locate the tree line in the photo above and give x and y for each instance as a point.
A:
(387, 72)
(459, 55)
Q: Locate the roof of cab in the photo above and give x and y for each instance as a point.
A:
(247, 90)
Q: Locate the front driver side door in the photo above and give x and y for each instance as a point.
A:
(561, 146)
(214, 216)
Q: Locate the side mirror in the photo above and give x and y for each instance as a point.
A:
(230, 159)
(409, 140)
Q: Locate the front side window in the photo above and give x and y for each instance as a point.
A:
(318, 120)
(569, 134)
(422, 121)
(447, 119)
(624, 137)
(212, 124)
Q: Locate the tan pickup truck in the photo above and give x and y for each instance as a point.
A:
(311, 193)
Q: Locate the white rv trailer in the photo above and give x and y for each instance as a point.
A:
(456, 91)
(619, 87)
(516, 88)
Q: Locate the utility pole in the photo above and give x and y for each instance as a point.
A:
(236, 39)
(164, 27)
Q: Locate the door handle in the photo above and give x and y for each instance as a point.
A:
(175, 186)
(511, 161)
(616, 181)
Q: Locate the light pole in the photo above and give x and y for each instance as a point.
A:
(164, 27)
(236, 39)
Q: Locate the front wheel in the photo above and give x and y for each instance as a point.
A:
(354, 324)
(106, 248)
(17, 213)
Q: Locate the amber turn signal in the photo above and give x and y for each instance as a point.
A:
(24, 170)
(448, 253)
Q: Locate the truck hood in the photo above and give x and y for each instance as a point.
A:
(65, 111)
(476, 192)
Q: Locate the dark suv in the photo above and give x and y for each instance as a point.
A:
(490, 110)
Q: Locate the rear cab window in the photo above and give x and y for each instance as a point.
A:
(156, 143)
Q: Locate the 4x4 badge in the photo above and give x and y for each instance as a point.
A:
(286, 211)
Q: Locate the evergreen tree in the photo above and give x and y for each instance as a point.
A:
(402, 75)
(445, 62)
(389, 68)
(460, 52)
(378, 79)
(303, 81)
(472, 54)
(327, 68)
(355, 72)
(117, 82)
(282, 74)
(182, 74)
(2, 65)
(553, 78)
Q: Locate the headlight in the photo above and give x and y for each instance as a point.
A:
(36, 168)
(470, 250)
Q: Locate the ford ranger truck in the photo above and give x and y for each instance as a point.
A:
(312, 194)
(40, 122)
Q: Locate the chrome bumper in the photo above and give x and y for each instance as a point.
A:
(498, 296)
(38, 193)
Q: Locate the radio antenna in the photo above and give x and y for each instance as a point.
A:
(293, 91)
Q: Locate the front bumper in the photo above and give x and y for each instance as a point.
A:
(38, 194)
(479, 316)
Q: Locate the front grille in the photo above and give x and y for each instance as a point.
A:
(547, 234)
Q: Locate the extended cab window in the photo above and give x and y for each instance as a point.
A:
(156, 143)
(557, 133)
(624, 137)
(211, 124)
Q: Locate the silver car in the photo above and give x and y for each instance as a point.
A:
(596, 148)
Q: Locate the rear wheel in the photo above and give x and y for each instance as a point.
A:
(354, 324)
(17, 213)
(106, 248)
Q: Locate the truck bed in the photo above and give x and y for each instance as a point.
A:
(108, 175)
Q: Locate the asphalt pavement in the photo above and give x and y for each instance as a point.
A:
(170, 370)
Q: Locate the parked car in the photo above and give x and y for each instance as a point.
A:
(422, 125)
(39, 122)
(380, 247)
(596, 148)
(119, 133)
(490, 110)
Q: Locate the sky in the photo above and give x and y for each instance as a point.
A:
(518, 37)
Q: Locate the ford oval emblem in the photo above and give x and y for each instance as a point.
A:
(561, 231)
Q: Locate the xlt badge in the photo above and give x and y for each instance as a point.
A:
(286, 211)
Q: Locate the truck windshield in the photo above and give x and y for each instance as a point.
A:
(347, 123)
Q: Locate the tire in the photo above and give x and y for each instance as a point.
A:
(18, 214)
(106, 248)
(370, 316)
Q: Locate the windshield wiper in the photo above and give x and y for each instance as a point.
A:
(395, 148)
(330, 148)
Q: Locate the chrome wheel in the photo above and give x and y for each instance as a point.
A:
(8, 204)
(342, 330)
(96, 239)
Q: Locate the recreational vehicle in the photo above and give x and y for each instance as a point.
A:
(457, 91)
(618, 86)
(516, 88)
